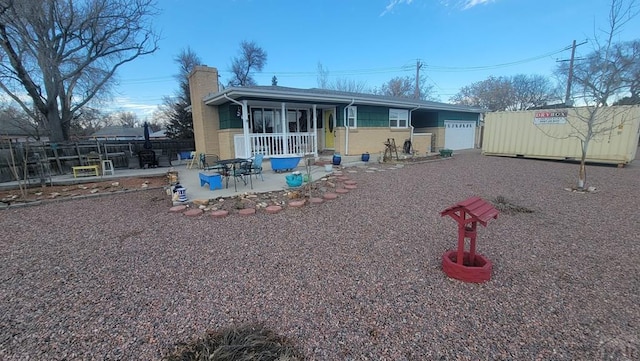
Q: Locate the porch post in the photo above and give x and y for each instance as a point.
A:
(245, 129)
(315, 130)
(285, 130)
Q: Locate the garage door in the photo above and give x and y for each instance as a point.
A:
(459, 134)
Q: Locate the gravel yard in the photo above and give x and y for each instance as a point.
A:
(356, 278)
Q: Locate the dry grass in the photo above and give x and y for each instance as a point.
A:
(505, 206)
(244, 343)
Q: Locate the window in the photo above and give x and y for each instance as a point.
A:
(262, 120)
(258, 124)
(297, 120)
(269, 120)
(398, 118)
(352, 117)
(319, 119)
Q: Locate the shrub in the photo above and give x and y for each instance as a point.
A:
(503, 205)
(243, 343)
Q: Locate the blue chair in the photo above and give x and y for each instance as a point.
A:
(256, 166)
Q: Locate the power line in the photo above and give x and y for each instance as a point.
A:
(495, 66)
(406, 67)
(147, 80)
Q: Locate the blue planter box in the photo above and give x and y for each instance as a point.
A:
(284, 163)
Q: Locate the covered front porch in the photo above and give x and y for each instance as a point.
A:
(275, 144)
(282, 128)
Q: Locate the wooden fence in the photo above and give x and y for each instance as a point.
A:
(43, 160)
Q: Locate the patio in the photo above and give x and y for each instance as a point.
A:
(188, 178)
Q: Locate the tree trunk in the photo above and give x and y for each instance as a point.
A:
(54, 125)
(582, 173)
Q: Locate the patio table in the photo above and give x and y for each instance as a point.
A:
(235, 163)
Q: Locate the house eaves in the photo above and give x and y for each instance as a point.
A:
(329, 96)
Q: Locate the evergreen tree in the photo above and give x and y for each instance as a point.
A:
(180, 124)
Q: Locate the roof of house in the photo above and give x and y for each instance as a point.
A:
(331, 96)
(8, 127)
(119, 131)
(162, 133)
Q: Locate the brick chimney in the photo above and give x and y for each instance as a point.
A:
(203, 80)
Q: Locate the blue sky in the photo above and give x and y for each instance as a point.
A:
(458, 41)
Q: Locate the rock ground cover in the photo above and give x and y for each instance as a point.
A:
(356, 278)
(58, 192)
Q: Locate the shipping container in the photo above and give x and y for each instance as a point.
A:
(556, 133)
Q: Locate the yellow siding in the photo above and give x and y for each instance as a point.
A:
(371, 140)
(515, 134)
(225, 139)
(422, 143)
(437, 133)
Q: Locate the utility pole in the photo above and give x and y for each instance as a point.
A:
(570, 77)
(418, 66)
(567, 95)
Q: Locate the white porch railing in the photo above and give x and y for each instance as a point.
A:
(271, 144)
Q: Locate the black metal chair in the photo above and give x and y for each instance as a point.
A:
(209, 160)
(243, 170)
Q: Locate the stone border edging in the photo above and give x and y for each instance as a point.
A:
(78, 197)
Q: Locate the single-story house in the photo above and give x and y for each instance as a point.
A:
(10, 130)
(160, 134)
(118, 133)
(275, 120)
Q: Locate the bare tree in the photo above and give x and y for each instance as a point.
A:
(63, 53)
(252, 58)
(126, 119)
(530, 91)
(14, 118)
(350, 85)
(629, 55)
(404, 87)
(599, 79)
(493, 94)
(519, 92)
(155, 124)
(87, 121)
(398, 87)
(339, 84)
(323, 77)
(180, 121)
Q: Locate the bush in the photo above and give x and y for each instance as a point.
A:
(504, 205)
(243, 343)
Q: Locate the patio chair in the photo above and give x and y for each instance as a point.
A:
(240, 171)
(209, 160)
(256, 166)
(93, 158)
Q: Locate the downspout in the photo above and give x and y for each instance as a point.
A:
(285, 128)
(346, 125)
(479, 131)
(245, 124)
(315, 130)
(411, 125)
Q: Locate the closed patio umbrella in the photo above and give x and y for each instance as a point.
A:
(147, 142)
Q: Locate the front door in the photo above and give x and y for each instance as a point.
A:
(329, 125)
